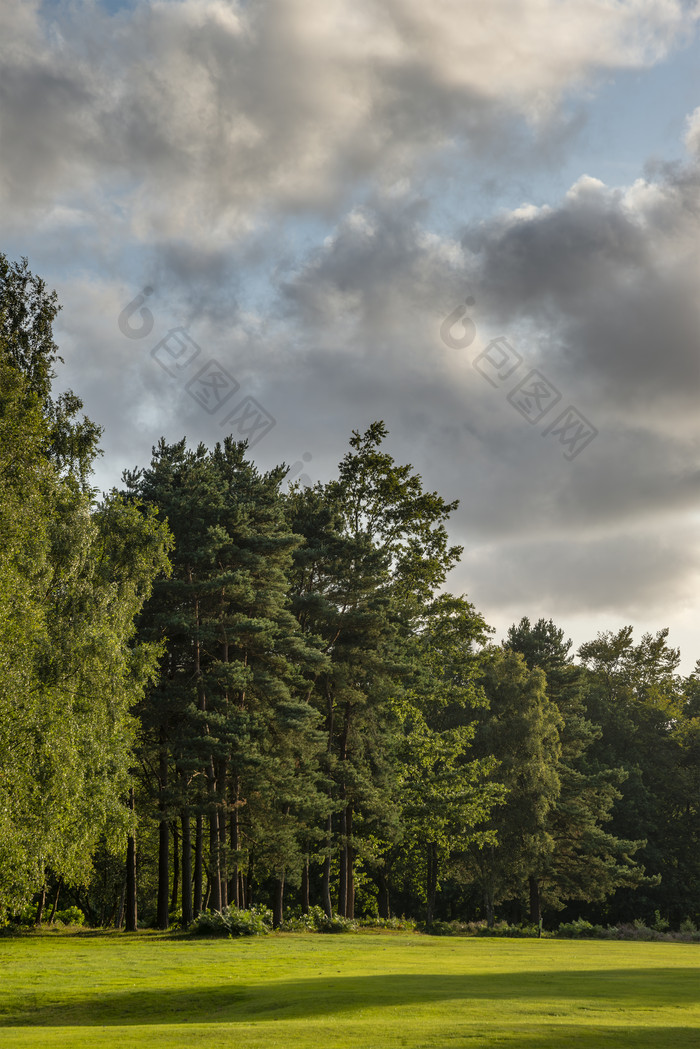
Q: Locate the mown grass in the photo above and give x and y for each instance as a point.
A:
(374, 991)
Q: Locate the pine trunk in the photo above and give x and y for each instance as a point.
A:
(163, 845)
(326, 888)
(535, 912)
(186, 867)
(131, 902)
(278, 908)
(223, 865)
(384, 902)
(198, 863)
(214, 903)
(305, 886)
(349, 868)
(343, 877)
(326, 902)
(235, 883)
(176, 868)
(249, 881)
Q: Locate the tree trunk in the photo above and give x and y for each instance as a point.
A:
(278, 903)
(55, 900)
(119, 921)
(305, 886)
(214, 872)
(535, 912)
(350, 868)
(198, 863)
(431, 886)
(235, 880)
(214, 867)
(163, 842)
(40, 905)
(223, 865)
(384, 903)
(249, 881)
(176, 868)
(131, 902)
(343, 877)
(326, 902)
(186, 867)
(326, 890)
(486, 867)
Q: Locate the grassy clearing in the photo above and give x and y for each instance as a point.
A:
(371, 991)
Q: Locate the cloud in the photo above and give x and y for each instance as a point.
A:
(599, 292)
(692, 134)
(198, 118)
(196, 145)
(617, 574)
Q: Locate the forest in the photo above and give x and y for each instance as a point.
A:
(220, 689)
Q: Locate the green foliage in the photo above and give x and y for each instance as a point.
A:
(231, 922)
(276, 674)
(70, 916)
(497, 929)
(73, 575)
(580, 929)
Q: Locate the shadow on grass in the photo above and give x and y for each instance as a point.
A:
(540, 994)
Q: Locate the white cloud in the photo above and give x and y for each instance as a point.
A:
(150, 144)
(199, 115)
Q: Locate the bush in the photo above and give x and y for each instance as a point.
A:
(438, 928)
(231, 922)
(660, 924)
(457, 928)
(388, 923)
(580, 929)
(70, 916)
(27, 916)
(318, 921)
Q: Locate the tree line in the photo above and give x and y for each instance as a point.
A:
(219, 690)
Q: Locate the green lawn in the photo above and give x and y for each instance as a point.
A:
(365, 991)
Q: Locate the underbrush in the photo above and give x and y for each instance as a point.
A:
(258, 922)
(27, 917)
(580, 929)
(636, 930)
(231, 922)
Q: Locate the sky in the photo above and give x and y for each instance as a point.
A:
(479, 222)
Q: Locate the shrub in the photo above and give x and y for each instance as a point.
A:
(580, 929)
(27, 916)
(440, 929)
(660, 924)
(388, 923)
(318, 921)
(70, 916)
(231, 922)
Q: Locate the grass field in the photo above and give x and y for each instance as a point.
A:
(370, 991)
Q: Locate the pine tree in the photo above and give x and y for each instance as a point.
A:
(375, 548)
(235, 670)
(588, 862)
